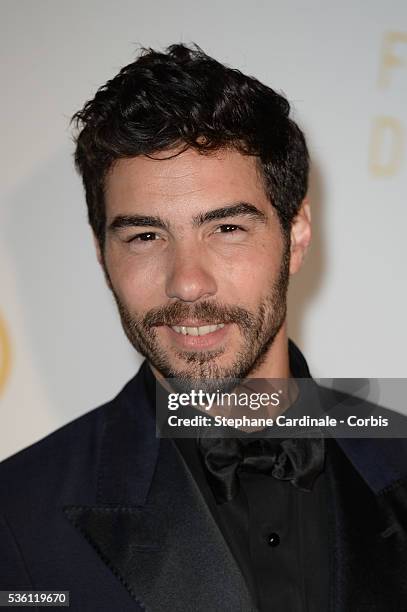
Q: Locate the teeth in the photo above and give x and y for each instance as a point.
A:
(196, 331)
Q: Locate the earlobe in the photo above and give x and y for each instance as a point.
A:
(300, 236)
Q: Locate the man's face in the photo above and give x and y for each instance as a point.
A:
(197, 262)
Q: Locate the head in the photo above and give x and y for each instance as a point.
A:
(195, 179)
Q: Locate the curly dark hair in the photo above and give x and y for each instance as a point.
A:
(185, 97)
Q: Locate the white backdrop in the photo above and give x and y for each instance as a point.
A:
(343, 65)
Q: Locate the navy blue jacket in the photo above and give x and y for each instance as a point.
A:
(104, 509)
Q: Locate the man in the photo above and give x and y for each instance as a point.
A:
(196, 182)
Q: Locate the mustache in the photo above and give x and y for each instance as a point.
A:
(211, 312)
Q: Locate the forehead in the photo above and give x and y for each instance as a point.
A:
(187, 180)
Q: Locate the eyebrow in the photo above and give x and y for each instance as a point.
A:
(239, 209)
(123, 221)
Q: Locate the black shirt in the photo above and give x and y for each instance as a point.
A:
(277, 533)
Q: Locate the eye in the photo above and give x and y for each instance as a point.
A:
(228, 228)
(144, 237)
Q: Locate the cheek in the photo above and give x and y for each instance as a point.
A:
(249, 276)
(137, 284)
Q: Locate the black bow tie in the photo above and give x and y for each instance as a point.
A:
(299, 460)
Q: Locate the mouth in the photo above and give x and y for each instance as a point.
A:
(201, 330)
(195, 335)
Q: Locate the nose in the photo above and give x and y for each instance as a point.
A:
(189, 276)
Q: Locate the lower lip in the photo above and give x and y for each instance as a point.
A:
(207, 341)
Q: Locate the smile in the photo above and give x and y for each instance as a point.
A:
(202, 330)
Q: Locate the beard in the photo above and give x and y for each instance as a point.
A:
(201, 369)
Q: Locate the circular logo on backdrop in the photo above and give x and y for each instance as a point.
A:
(5, 355)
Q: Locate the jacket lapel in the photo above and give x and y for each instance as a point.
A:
(151, 525)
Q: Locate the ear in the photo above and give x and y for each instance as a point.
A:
(300, 236)
(98, 250)
(101, 260)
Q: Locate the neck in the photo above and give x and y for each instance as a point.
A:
(276, 362)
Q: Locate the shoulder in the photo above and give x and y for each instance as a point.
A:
(44, 464)
(375, 440)
(62, 462)
(341, 402)
(70, 434)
